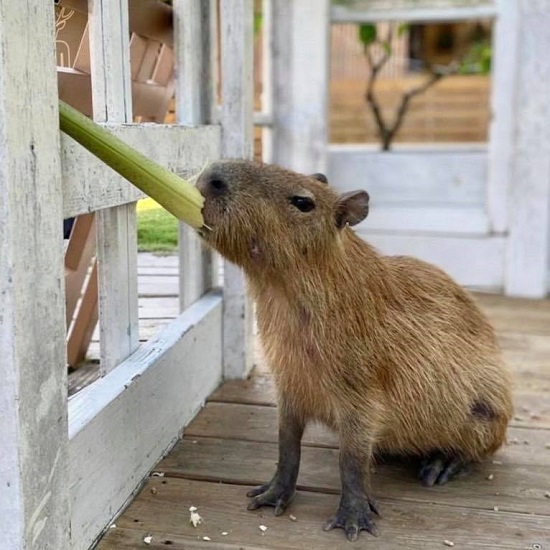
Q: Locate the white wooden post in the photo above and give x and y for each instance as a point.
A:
(116, 227)
(528, 244)
(301, 44)
(237, 142)
(194, 32)
(503, 90)
(268, 7)
(34, 491)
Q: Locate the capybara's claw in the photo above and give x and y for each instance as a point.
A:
(355, 517)
(257, 490)
(373, 506)
(271, 494)
(438, 469)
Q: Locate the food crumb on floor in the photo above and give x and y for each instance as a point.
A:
(194, 517)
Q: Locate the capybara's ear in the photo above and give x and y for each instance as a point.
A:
(319, 177)
(351, 208)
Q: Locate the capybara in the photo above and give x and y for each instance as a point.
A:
(387, 350)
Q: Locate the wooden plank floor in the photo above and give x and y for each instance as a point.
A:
(231, 445)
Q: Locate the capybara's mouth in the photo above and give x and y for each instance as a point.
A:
(207, 225)
(208, 217)
(204, 231)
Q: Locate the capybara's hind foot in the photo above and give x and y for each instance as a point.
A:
(353, 516)
(439, 468)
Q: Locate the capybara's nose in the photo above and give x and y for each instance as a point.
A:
(211, 184)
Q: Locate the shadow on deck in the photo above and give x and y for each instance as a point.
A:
(504, 503)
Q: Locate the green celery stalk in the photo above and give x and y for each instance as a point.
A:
(175, 194)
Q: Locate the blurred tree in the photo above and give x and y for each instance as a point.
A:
(378, 51)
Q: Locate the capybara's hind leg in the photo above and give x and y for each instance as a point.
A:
(482, 435)
(438, 468)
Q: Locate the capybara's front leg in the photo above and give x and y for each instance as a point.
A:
(356, 507)
(280, 490)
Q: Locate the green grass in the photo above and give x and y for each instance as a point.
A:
(157, 229)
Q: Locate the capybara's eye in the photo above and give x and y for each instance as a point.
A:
(217, 184)
(304, 204)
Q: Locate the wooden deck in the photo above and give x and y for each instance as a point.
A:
(231, 445)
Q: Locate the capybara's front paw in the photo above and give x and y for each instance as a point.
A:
(354, 515)
(275, 493)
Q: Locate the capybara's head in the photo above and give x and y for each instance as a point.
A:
(263, 217)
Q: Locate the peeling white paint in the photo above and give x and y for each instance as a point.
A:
(35, 524)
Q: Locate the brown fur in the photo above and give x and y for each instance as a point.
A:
(389, 351)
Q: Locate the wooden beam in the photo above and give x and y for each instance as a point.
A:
(89, 185)
(237, 142)
(528, 247)
(34, 488)
(194, 31)
(264, 118)
(301, 81)
(116, 227)
(502, 127)
(418, 14)
(82, 328)
(481, 258)
(195, 91)
(237, 78)
(443, 175)
(409, 219)
(78, 257)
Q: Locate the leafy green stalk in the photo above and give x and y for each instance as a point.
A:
(175, 194)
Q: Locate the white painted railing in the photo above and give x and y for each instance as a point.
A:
(108, 436)
(413, 11)
(481, 215)
(124, 422)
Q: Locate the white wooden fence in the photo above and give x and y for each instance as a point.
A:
(482, 213)
(66, 468)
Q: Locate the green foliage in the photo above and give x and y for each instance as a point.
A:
(367, 34)
(402, 28)
(478, 59)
